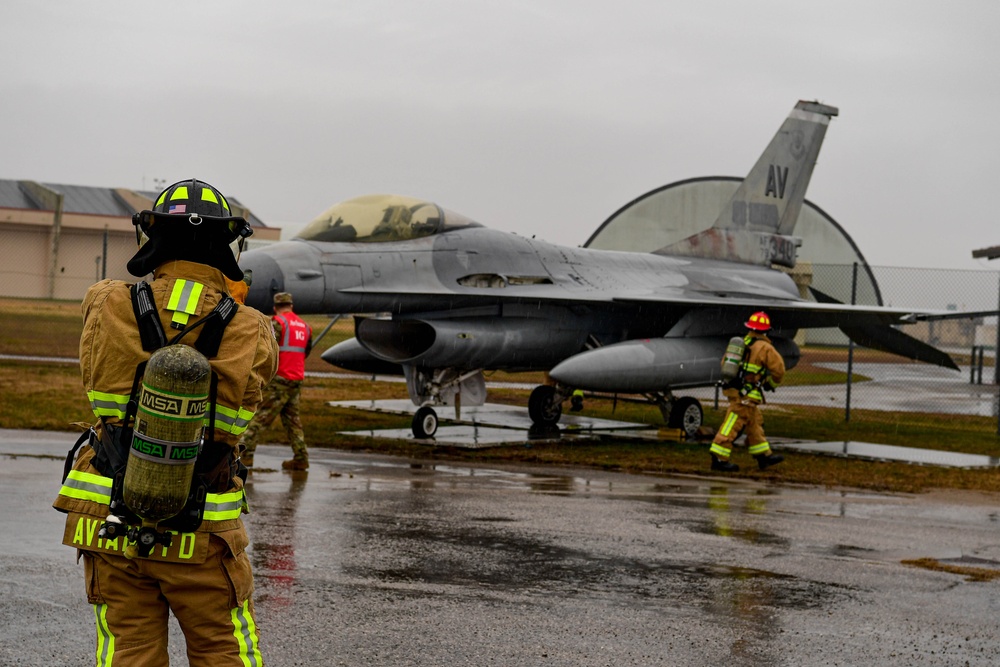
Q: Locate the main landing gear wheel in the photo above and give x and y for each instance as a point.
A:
(543, 408)
(686, 414)
(425, 423)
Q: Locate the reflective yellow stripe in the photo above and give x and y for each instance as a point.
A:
(727, 426)
(97, 488)
(179, 193)
(184, 300)
(761, 448)
(720, 451)
(245, 631)
(105, 638)
(231, 421)
(108, 405)
(115, 405)
(224, 506)
(163, 196)
(208, 195)
(87, 486)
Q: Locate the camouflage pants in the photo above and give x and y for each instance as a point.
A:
(281, 397)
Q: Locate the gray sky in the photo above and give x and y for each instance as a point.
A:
(540, 117)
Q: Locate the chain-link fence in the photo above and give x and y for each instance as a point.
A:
(878, 381)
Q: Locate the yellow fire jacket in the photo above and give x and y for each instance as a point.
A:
(762, 360)
(110, 350)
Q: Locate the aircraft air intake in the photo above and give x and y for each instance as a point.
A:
(516, 343)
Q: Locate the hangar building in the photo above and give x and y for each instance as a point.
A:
(60, 239)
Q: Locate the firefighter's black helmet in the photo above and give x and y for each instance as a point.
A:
(190, 220)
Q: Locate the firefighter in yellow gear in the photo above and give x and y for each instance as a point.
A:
(197, 568)
(762, 369)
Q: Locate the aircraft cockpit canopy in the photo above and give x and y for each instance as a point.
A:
(378, 218)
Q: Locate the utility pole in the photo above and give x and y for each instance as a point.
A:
(49, 199)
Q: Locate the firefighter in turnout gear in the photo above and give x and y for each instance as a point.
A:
(282, 395)
(761, 369)
(194, 564)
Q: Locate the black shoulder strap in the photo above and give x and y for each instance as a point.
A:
(213, 393)
(146, 316)
(215, 325)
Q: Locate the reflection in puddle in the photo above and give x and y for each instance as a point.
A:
(479, 557)
(735, 517)
(272, 550)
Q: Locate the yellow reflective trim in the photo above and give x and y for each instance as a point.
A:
(105, 638)
(179, 193)
(224, 506)
(225, 204)
(245, 632)
(208, 195)
(163, 196)
(720, 451)
(91, 478)
(760, 448)
(87, 486)
(230, 420)
(108, 405)
(184, 296)
(184, 300)
(175, 294)
(727, 427)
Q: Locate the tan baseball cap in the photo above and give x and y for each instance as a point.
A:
(282, 298)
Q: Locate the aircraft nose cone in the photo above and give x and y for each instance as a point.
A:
(267, 279)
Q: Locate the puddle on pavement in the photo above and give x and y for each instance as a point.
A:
(745, 499)
(416, 556)
(480, 559)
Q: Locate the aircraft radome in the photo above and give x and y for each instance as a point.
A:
(450, 298)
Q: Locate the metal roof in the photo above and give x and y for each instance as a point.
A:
(85, 199)
(12, 196)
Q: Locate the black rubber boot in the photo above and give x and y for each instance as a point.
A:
(723, 466)
(768, 460)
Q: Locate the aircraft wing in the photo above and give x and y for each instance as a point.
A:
(788, 313)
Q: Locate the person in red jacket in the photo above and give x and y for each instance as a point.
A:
(282, 394)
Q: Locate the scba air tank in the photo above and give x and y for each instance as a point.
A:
(733, 358)
(167, 433)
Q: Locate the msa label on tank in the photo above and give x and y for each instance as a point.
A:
(172, 406)
(161, 451)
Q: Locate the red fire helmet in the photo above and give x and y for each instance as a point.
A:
(759, 321)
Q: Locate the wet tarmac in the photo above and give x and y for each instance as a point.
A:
(369, 560)
(896, 387)
(493, 425)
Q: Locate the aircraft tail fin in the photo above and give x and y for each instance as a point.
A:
(756, 225)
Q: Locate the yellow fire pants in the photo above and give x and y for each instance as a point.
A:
(210, 600)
